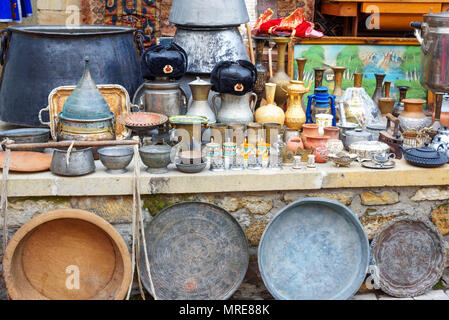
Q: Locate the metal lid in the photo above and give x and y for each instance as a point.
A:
(86, 102)
(439, 19)
(67, 31)
(208, 13)
(376, 126)
(358, 132)
(424, 153)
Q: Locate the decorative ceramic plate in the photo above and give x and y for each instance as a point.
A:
(115, 95)
(197, 251)
(27, 161)
(314, 249)
(409, 255)
(143, 119)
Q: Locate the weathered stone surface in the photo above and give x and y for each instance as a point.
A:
(433, 295)
(230, 204)
(112, 209)
(431, 194)
(342, 197)
(252, 286)
(440, 217)
(365, 296)
(20, 210)
(372, 224)
(254, 232)
(377, 199)
(257, 205)
(242, 217)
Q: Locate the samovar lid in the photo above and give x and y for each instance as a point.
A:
(208, 13)
(86, 102)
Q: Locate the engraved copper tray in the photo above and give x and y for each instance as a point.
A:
(409, 257)
(196, 251)
(115, 95)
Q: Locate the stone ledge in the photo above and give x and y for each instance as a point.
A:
(325, 176)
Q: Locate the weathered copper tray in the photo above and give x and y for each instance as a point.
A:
(143, 120)
(314, 249)
(197, 251)
(116, 96)
(409, 255)
(27, 161)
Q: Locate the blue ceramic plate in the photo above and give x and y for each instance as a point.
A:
(314, 249)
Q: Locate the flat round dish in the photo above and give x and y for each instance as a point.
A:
(197, 251)
(410, 255)
(314, 249)
(373, 165)
(27, 161)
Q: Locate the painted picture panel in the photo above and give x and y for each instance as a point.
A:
(400, 63)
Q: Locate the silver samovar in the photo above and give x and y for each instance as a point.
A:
(208, 31)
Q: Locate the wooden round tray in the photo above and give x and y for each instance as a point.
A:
(67, 255)
(197, 251)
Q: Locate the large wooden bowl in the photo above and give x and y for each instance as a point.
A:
(47, 255)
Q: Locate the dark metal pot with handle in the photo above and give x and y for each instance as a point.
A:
(37, 59)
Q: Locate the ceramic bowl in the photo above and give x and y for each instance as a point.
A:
(156, 157)
(116, 159)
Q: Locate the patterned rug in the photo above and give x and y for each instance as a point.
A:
(93, 11)
(140, 14)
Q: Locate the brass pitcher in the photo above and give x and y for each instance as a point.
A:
(295, 116)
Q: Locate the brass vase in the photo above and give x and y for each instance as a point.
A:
(301, 63)
(386, 103)
(378, 91)
(319, 74)
(295, 116)
(270, 113)
(280, 78)
(338, 78)
(262, 73)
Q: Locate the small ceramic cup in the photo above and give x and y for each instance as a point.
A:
(311, 161)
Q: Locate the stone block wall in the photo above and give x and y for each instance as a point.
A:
(253, 210)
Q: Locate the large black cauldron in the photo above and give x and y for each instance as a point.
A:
(37, 59)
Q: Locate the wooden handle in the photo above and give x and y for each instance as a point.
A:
(65, 144)
(250, 43)
(396, 122)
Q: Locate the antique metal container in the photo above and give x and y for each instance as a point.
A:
(116, 158)
(356, 135)
(208, 32)
(156, 157)
(235, 109)
(77, 162)
(162, 96)
(433, 35)
(199, 106)
(86, 114)
(37, 59)
(27, 135)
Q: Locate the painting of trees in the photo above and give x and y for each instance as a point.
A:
(349, 58)
(411, 63)
(315, 59)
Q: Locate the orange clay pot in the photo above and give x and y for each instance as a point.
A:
(315, 141)
(295, 143)
(321, 154)
(332, 132)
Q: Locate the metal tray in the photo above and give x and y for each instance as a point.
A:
(409, 255)
(314, 249)
(197, 251)
(115, 95)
